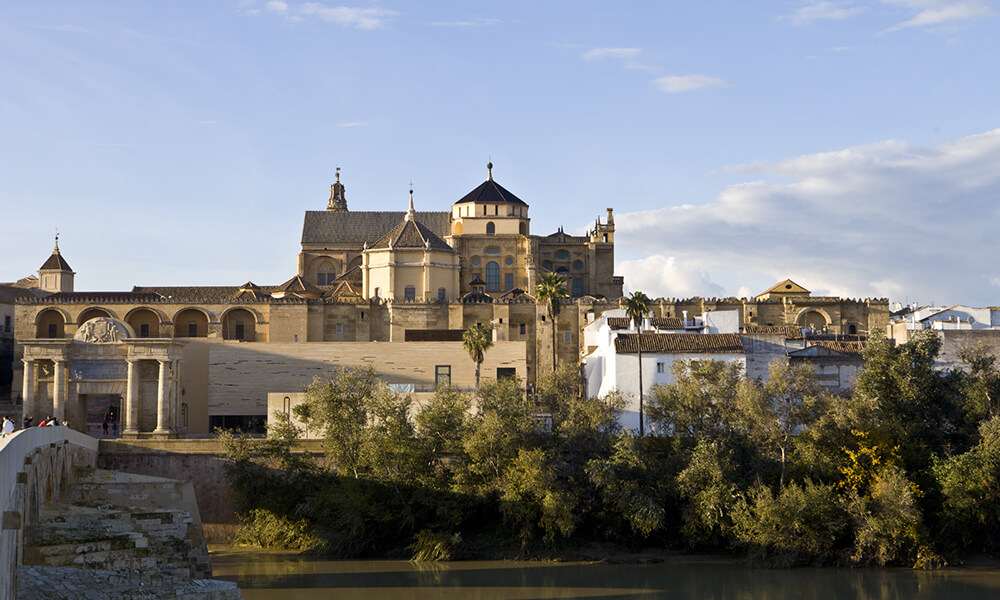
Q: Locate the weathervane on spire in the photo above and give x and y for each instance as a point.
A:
(56, 251)
(489, 168)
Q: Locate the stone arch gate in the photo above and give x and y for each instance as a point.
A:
(105, 362)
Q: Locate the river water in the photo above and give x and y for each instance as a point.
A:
(290, 577)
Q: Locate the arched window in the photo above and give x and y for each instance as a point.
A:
(577, 265)
(492, 276)
(491, 227)
(852, 329)
(458, 228)
(547, 265)
(442, 294)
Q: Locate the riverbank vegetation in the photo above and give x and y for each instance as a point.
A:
(905, 470)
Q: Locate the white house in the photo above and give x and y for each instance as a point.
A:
(612, 359)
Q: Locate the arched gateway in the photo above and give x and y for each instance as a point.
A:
(105, 365)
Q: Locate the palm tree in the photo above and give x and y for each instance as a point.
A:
(636, 308)
(550, 290)
(477, 339)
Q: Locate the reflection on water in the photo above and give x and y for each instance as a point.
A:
(262, 575)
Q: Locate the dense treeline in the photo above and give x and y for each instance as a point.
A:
(906, 470)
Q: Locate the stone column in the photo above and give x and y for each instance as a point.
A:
(131, 416)
(162, 424)
(28, 390)
(59, 390)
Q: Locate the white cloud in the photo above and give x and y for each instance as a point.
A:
(597, 53)
(630, 58)
(886, 219)
(359, 18)
(940, 12)
(352, 124)
(824, 11)
(674, 84)
(474, 23)
(667, 277)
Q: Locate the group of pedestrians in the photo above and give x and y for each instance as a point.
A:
(7, 427)
(110, 419)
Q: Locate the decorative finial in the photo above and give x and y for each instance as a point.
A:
(411, 214)
(489, 171)
(338, 174)
(56, 251)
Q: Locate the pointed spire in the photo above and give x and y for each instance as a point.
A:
(338, 198)
(56, 250)
(411, 214)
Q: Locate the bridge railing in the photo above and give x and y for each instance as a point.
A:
(15, 449)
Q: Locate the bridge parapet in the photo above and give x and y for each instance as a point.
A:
(36, 467)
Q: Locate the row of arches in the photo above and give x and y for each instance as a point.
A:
(237, 323)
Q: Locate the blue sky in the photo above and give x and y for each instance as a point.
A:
(852, 146)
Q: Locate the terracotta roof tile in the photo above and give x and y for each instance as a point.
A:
(791, 332)
(55, 262)
(656, 322)
(680, 343)
(842, 347)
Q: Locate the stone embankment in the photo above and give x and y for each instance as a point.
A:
(61, 583)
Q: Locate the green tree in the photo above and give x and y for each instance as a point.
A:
(970, 484)
(788, 402)
(702, 400)
(636, 307)
(550, 291)
(476, 340)
(981, 389)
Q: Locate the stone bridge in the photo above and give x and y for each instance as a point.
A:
(36, 468)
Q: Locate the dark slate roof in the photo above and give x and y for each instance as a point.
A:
(491, 192)
(55, 263)
(680, 343)
(657, 322)
(791, 332)
(411, 234)
(358, 227)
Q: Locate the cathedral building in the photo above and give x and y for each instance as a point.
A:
(389, 289)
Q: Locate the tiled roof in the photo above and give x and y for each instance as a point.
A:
(842, 347)
(298, 285)
(411, 234)
(55, 263)
(9, 293)
(204, 294)
(656, 322)
(791, 332)
(97, 298)
(358, 227)
(680, 343)
(491, 192)
(353, 275)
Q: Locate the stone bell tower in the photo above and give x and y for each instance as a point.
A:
(56, 275)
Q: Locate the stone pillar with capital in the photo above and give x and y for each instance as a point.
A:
(131, 424)
(28, 390)
(162, 408)
(59, 390)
